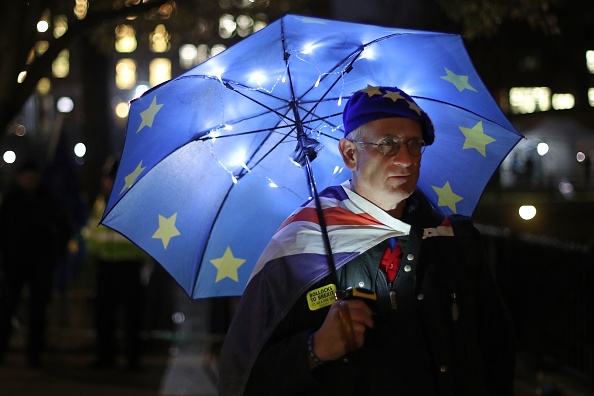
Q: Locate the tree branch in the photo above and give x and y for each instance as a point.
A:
(42, 66)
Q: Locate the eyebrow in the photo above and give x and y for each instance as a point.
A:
(397, 137)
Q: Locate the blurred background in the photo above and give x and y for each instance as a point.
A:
(68, 69)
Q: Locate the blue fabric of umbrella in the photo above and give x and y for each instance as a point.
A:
(207, 172)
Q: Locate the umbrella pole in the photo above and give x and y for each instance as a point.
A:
(314, 192)
(307, 150)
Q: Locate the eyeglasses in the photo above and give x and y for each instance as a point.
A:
(391, 145)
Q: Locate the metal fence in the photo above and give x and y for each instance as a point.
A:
(549, 288)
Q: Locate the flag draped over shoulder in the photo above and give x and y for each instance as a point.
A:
(294, 260)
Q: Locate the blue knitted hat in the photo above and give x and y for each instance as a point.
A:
(374, 103)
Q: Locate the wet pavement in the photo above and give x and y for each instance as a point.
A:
(182, 363)
(175, 363)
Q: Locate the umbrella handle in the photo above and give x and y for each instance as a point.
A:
(348, 331)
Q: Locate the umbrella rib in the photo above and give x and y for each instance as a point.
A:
(228, 85)
(207, 137)
(322, 118)
(354, 56)
(268, 153)
(457, 107)
(347, 69)
(239, 176)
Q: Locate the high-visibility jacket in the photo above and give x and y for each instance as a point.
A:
(107, 244)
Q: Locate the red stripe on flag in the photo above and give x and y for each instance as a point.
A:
(334, 216)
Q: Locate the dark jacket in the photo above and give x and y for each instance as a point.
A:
(449, 336)
(33, 227)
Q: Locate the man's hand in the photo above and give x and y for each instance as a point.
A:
(330, 341)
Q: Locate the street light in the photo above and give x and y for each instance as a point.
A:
(542, 148)
(527, 212)
(79, 151)
(64, 105)
(9, 157)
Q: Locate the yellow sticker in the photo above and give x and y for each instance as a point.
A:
(321, 297)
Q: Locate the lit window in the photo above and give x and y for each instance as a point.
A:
(125, 73)
(244, 25)
(590, 61)
(591, 96)
(160, 71)
(259, 25)
(217, 49)
(159, 39)
(563, 101)
(43, 86)
(41, 47)
(60, 25)
(80, 9)
(61, 65)
(121, 110)
(244, 3)
(125, 39)
(525, 100)
(227, 26)
(166, 10)
(187, 55)
(203, 53)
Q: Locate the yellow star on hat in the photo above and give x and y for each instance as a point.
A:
(370, 90)
(394, 95)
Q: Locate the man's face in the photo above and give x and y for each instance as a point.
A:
(384, 180)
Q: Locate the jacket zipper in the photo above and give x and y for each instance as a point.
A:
(393, 302)
(455, 309)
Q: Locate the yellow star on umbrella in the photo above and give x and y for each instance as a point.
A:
(148, 116)
(460, 81)
(131, 178)
(370, 90)
(447, 197)
(476, 138)
(227, 266)
(166, 230)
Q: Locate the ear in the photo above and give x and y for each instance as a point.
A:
(349, 153)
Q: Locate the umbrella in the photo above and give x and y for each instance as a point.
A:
(208, 169)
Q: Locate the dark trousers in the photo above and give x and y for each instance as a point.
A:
(38, 277)
(120, 306)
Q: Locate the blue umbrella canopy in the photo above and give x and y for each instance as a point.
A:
(208, 169)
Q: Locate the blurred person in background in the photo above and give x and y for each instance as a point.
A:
(34, 232)
(120, 283)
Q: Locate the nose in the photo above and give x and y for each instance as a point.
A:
(403, 158)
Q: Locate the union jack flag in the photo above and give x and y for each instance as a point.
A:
(294, 260)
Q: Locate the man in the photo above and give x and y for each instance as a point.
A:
(34, 231)
(437, 325)
(119, 284)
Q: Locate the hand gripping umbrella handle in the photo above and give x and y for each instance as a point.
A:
(348, 331)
